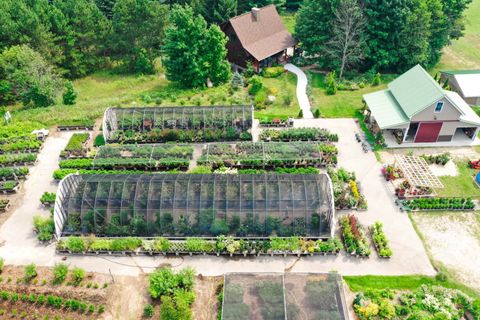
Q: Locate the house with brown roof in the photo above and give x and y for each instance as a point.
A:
(258, 36)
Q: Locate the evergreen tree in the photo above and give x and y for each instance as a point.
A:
(314, 24)
(218, 11)
(237, 81)
(69, 94)
(193, 51)
(138, 29)
(106, 6)
(80, 31)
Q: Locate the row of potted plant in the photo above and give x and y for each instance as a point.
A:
(8, 186)
(217, 246)
(180, 135)
(298, 134)
(346, 190)
(28, 143)
(440, 159)
(380, 240)
(76, 146)
(439, 204)
(4, 203)
(59, 174)
(13, 173)
(17, 159)
(125, 164)
(274, 154)
(354, 236)
(48, 198)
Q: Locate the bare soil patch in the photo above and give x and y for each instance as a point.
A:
(206, 304)
(453, 239)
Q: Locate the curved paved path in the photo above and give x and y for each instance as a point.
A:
(302, 97)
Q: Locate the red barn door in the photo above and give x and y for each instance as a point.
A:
(428, 132)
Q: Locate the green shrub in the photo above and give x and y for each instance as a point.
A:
(331, 83)
(45, 227)
(48, 198)
(99, 140)
(75, 244)
(273, 72)
(77, 275)
(148, 311)
(69, 94)
(30, 272)
(255, 85)
(166, 282)
(377, 79)
(219, 226)
(60, 271)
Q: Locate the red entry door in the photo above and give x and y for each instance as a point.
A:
(428, 132)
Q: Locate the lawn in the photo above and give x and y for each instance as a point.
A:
(344, 104)
(99, 91)
(464, 53)
(461, 185)
(288, 19)
(407, 282)
(280, 87)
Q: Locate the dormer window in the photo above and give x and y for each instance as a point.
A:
(439, 107)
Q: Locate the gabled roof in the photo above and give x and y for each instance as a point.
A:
(415, 90)
(386, 110)
(468, 115)
(264, 36)
(468, 83)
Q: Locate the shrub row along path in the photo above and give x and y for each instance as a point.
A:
(302, 96)
(409, 255)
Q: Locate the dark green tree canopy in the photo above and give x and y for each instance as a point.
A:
(218, 11)
(138, 30)
(193, 51)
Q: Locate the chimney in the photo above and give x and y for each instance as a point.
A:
(256, 13)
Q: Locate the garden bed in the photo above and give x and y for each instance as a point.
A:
(22, 159)
(9, 186)
(439, 204)
(76, 146)
(346, 190)
(299, 134)
(269, 155)
(4, 205)
(221, 245)
(354, 237)
(380, 241)
(13, 173)
(20, 144)
(74, 127)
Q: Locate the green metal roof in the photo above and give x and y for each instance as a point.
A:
(415, 90)
(454, 72)
(385, 109)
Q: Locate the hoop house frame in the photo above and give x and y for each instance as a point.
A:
(179, 205)
(184, 124)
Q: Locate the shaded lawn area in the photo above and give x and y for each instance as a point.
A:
(99, 91)
(408, 282)
(464, 53)
(280, 87)
(344, 104)
(461, 185)
(288, 19)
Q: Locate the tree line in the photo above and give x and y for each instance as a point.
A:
(381, 35)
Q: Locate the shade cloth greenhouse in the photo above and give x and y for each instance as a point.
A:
(194, 204)
(276, 296)
(185, 124)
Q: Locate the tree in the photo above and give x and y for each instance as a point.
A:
(193, 51)
(347, 43)
(27, 77)
(218, 11)
(314, 24)
(106, 6)
(69, 94)
(247, 5)
(137, 33)
(80, 31)
(453, 11)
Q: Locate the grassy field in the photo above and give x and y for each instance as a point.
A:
(280, 87)
(464, 53)
(344, 104)
(102, 90)
(409, 282)
(461, 185)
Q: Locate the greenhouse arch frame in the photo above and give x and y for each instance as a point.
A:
(143, 205)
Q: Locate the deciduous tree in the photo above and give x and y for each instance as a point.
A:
(218, 11)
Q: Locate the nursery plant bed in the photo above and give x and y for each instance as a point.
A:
(75, 127)
(4, 205)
